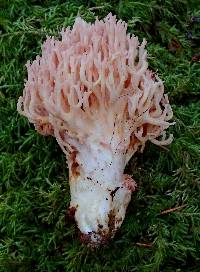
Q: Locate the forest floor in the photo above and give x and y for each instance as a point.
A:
(161, 231)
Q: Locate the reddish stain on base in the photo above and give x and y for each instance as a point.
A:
(129, 183)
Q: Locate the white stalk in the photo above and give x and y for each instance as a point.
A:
(99, 193)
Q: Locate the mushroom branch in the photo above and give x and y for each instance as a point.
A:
(92, 90)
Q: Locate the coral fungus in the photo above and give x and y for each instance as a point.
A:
(92, 90)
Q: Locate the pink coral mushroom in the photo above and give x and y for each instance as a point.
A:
(92, 90)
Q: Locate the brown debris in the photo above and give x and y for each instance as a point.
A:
(71, 213)
(149, 245)
(85, 238)
(112, 193)
(75, 165)
(102, 237)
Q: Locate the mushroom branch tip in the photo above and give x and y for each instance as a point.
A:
(92, 90)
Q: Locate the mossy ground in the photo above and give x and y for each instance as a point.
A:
(35, 233)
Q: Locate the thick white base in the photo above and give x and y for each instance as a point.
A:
(100, 193)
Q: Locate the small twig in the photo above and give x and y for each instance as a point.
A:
(8, 86)
(144, 245)
(173, 209)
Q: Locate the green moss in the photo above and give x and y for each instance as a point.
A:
(35, 233)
